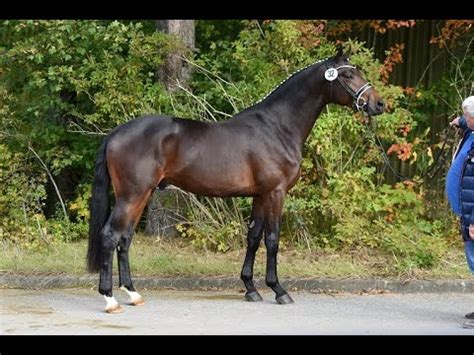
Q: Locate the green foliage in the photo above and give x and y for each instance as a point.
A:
(215, 224)
(206, 236)
(80, 206)
(22, 196)
(253, 64)
(64, 83)
(93, 71)
(341, 200)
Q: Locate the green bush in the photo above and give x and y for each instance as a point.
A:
(66, 83)
(63, 85)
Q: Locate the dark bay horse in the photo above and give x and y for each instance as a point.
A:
(256, 153)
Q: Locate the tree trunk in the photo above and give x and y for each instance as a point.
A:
(164, 208)
(175, 69)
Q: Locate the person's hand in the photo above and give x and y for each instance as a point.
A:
(455, 122)
(471, 231)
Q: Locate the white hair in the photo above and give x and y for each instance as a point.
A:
(468, 105)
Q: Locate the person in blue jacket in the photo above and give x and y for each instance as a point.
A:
(460, 185)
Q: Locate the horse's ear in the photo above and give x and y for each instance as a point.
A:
(340, 51)
(348, 52)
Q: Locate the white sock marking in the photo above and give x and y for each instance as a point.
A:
(111, 302)
(134, 296)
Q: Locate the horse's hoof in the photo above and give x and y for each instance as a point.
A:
(253, 297)
(284, 299)
(114, 310)
(470, 315)
(137, 302)
(469, 324)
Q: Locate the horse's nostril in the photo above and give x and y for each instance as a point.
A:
(380, 104)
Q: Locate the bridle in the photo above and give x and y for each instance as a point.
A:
(359, 103)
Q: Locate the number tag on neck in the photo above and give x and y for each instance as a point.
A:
(331, 74)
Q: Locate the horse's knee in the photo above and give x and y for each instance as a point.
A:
(271, 243)
(255, 227)
(255, 234)
(253, 244)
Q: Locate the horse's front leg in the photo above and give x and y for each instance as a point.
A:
(273, 206)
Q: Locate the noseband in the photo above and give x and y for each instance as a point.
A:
(359, 102)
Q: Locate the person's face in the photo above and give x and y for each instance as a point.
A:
(469, 120)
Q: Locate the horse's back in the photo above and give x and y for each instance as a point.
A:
(144, 125)
(207, 158)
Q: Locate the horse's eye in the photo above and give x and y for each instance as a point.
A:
(348, 75)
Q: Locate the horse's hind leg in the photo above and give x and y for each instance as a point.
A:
(254, 237)
(125, 279)
(110, 237)
(117, 233)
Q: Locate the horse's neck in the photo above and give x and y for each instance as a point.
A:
(297, 105)
(309, 121)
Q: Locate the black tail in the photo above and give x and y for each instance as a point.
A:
(99, 207)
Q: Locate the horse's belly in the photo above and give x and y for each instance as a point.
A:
(213, 181)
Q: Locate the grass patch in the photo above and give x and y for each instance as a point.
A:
(153, 257)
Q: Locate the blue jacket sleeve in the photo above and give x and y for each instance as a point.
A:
(462, 122)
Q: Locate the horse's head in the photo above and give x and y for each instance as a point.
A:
(347, 86)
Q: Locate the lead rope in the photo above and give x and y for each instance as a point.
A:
(428, 173)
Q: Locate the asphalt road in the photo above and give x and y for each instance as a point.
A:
(80, 311)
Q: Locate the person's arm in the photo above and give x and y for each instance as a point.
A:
(459, 122)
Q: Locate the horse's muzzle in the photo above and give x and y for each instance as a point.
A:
(374, 110)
